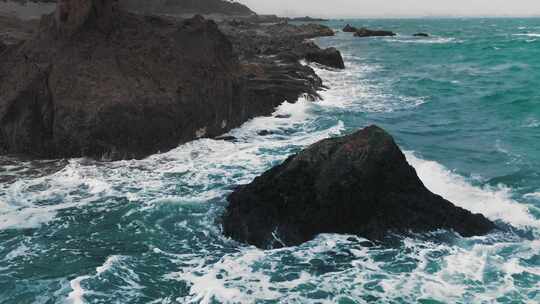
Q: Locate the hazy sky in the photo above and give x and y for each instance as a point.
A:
(389, 8)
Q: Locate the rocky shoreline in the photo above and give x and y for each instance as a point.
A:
(95, 80)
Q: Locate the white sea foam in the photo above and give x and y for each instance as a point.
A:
(30, 202)
(20, 251)
(248, 276)
(430, 40)
(528, 35)
(532, 123)
(76, 296)
(534, 195)
(354, 90)
(417, 270)
(494, 202)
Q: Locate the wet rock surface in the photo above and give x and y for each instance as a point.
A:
(330, 57)
(357, 184)
(94, 80)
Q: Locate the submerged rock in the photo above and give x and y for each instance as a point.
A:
(349, 29)
(364, 32)
(357, 184)
(421, 35)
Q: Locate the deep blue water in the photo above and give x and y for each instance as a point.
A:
(465, 106)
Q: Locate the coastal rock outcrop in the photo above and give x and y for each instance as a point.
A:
(330, 57)
(357, 184)
(97, 81)
(421, 35)
(349, 29)
(364, 32)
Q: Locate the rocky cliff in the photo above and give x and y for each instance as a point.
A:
(97, 81)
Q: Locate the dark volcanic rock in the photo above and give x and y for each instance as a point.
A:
(329, 57)
(96, 81)
(265, 132)
(259, 44)
(14, 30)
(358, 184)
(364, 32)
(421, 35)
(349, 29)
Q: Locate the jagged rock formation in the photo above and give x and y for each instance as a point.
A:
(97, 81)
(357, 184)
(258, 43)
(330, 57)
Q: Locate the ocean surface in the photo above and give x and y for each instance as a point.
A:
(465, 106)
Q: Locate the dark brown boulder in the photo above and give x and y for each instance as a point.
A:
(364, 32)
(349, 29)
(330, 57)
(357, 184)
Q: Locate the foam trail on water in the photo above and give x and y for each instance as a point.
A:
(76, 296)
(528, 35)
(430, 40)
(495, 203)
(353, 89)
(20, 203)
(196, 166)
(534, 195)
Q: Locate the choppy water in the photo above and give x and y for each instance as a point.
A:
(464, 104)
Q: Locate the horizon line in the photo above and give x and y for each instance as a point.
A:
(406, 16)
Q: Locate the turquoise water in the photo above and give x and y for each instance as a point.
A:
(465, 106)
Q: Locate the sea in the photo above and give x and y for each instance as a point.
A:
(463, 104)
